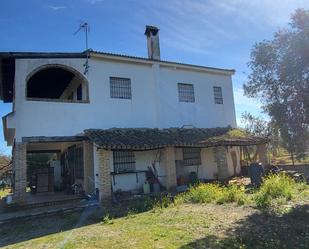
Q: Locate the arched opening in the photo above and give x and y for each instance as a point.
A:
(54, 82)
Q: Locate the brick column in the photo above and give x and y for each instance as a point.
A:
(20, 172)
(262, 153)
(88, 167)
(220, 157)
(170, 167)
(105, 191)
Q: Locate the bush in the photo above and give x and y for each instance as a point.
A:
(278, 189)
(233, 193)
(213, 193)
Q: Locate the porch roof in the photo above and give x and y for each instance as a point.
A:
(147, 138)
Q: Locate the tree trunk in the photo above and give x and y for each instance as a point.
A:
(292, 157)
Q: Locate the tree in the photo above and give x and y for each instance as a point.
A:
(280, 79)
(255, 125)
(260, 127)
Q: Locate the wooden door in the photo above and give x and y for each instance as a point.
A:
(234, 160)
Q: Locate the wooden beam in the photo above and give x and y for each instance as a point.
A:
(54, 139)
(42, 151)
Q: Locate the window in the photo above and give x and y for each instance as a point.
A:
(186, 92)
(191, 156)
(124, 161)
(218, 95)
(120, 88)
(79, 92)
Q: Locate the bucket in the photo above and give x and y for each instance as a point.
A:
(9, 199)
(146, 188)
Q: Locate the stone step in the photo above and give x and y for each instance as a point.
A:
(45, 203)
(38, 212)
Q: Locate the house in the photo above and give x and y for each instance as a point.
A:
(105, 118)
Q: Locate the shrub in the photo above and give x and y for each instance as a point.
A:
(277, 188)
(213, 193)
(233, 193)
(202, 193)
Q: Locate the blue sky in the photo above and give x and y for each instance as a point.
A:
(217, 33)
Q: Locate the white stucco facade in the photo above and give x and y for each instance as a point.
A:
(154, 102)
(134, 181)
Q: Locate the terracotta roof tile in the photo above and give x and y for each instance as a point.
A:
(147, 138)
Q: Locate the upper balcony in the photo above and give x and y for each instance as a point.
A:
(57, 83)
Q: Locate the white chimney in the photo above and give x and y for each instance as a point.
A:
(153, 44)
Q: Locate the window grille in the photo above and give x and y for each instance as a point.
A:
(124, 161)
(218, 95)
(191, 156)
(186, 92)
(75, 161)
(120, 88)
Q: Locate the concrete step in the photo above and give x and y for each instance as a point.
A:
(43, 211)
(44, 203)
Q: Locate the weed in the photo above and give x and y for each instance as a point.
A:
(131, 213)
(107, 220)
(233, 193)
(213, 193)
(278, 189)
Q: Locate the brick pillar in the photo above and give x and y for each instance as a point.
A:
(170, 167)
(20, 172)
(220, 157)
(105, 191)
(88, 167)
(262, 153)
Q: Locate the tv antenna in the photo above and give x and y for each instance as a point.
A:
(84, 26)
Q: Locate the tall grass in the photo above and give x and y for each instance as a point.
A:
(276, 190)
(279, 189)
(213, 193)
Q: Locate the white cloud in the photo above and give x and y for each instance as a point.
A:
(260, 12)
(195, 26)
(186, 27)
(56, 8)
(94, 1)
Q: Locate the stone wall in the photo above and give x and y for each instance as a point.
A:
(105, 182)
(20, 172)
(303, 168)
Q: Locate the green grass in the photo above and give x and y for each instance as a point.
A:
(168, 228)
(206, 216)
(283, 157)
(184, 226)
